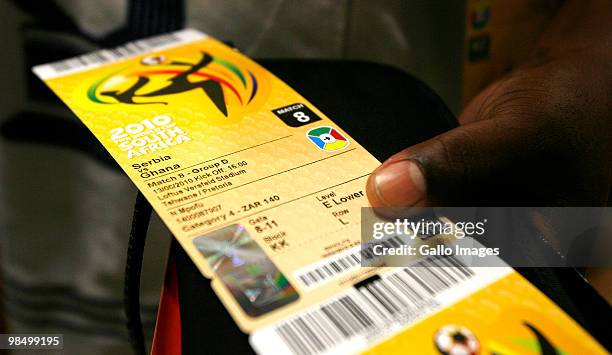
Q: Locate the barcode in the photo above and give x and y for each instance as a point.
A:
(105, 56)
(112, 54)
(315, 274)
(372, 305)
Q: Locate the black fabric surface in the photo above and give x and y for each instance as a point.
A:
(133, 268)
(385, 110)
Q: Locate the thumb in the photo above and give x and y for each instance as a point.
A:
(456, 167)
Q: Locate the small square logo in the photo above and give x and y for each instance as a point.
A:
(296, 115)
(479, 48)
(327, 138)
(480, 16)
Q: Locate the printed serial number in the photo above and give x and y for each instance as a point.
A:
(31, 341)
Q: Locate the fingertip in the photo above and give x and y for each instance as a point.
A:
(373, 197)
(397, 183)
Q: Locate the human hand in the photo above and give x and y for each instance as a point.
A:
(538, 136)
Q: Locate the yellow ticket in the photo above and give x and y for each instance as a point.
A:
(261, 189)
(252, 179)
(509, 317)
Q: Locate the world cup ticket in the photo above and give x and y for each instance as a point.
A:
(263, 191)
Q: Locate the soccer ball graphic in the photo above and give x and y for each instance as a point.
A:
(456, 340)
(153, 59)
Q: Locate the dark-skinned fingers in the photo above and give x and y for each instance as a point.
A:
(489, 160)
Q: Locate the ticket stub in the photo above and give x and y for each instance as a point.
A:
(251, 178)
(263, 191)
(438, 305)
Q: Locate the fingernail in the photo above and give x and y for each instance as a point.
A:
(400, 184)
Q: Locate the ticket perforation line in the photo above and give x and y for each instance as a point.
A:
(281, 204)
(219, 157)
(262, 178)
